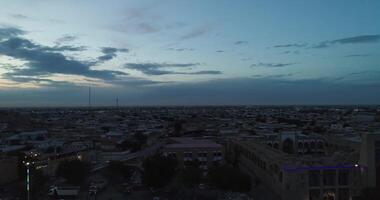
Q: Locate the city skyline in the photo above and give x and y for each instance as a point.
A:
(189, 52)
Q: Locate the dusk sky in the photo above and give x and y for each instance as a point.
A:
(182, 52)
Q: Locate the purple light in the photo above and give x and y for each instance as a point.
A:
(298, 169)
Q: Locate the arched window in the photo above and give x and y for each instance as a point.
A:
(312, 144)
(287, 146)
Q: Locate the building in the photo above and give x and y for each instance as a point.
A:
(301, 167)
(8, 169)
(187, 150)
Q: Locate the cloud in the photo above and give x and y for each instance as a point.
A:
(66, 48)
(360, 39)
(349, 40)
(231, 91)
(7, 32)
(297, 45)
(291, 52)
(260, 91)
(241, 42)
(39, 81)
(110, 53)
(365, 77)
(272, 64)
(143, 21)
(357, 55)
(209, 72)
(162, 68)
(19, 16)
(43, 60)
(277, 76)
(65, 39)
(180, 49)
(219, 51)
(246, 59)
(145, 27)
(197, 32)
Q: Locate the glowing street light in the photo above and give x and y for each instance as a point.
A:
(27, 164)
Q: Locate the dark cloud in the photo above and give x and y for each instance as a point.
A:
(241, 42)
(297, 45)
(210, 72)
(357, 55)
(273, 76)
(291, 52)
(219, 51)
(66, 48)
(368, 76)
(261, 91)
(197, 32)
(350, 40)
(325, 44)
(39, 81)
(272, 64)
(233, 91)
(19, 16)
(162, 68)
(145, 27)
(65, 39)
(358, 39)
(110, 53)
(7, 32)
(181, 49)
(44, 60)
(143, 21)
(246, 59)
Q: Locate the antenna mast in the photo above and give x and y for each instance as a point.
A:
(89, 96)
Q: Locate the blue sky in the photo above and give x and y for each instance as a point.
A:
(178, 52)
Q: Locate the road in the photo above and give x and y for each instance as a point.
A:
(139, 154)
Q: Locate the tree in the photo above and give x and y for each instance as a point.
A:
(135, 143)
(141, 137)
(118, 172)
(225, 177)
(192, 174)
(38, 181)
(370, 194)
(131, 145)
(74, 171)
(158, 170)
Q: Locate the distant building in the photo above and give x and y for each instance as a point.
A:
(301, 167)
(187, 150)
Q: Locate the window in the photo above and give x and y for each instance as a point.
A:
(343, 177)
(343, 194)
(188, 154)
(314, 178)
(329, 177)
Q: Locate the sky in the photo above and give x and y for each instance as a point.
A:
(182, 52)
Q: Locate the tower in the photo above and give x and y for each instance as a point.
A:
(89, 96)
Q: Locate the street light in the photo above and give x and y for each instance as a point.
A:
(27, 164)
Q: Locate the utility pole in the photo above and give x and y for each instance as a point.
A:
(89, 96)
